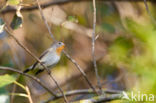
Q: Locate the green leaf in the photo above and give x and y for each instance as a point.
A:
(6, 80)
(13, 2)
(16, 22)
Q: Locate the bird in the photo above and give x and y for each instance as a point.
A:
(48, 58)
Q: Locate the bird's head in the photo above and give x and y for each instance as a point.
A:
(58, 46)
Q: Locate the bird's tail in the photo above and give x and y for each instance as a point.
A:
(28, 69)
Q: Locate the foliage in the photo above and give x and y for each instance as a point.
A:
(6, 79)
(124, 46)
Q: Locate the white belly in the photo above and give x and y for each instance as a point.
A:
(49, 60)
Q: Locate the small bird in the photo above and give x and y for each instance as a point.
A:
(49, 58)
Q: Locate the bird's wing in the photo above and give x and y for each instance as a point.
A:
(42, 55)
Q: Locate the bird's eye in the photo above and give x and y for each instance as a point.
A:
(59, 43)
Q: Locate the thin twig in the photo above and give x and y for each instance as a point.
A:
(101, 99)
(82, 91)
(45, 21)
(64, 96)
(30, 76)
(60, 2)
(28, 51)
(13, 91)
(93, 46)
(68, 93)
(81, 70)
(149, 13)
(52, 36)
(29, 95)
(45, 5)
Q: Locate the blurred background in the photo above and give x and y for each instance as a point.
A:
(125, 47)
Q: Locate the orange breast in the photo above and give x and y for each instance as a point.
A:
(59, 49)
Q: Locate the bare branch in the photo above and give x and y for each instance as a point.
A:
(78, 67)
(93, 46)
(45, 22)
(30, 76)
(101, 99)
(64, 96)
(13, 91)
(45, 5)
(60, 2)
(68, 93)
(82, 91)
(81, 70)
(149, 13)
(27, 50)
(29, 95)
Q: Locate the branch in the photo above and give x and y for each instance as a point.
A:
(81, 70)
(13, 91)
(30, 76)
(45, 5)
(28, 51)
(101, 99)
(73, 61)
(45, 22)
(60, 2)
(58, 95)
(82, 91)
(93, 46)
(29, 95)
(149, 13)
